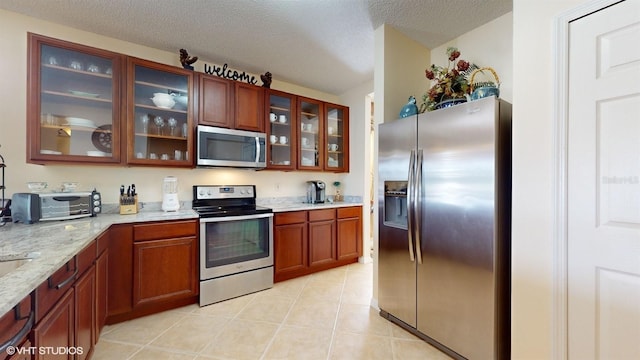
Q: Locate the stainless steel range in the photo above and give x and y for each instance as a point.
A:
(236, 242)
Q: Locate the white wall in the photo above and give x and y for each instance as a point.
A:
(533, 161)
(360, 155)
(107, 179)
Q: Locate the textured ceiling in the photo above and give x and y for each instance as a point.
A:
(327, 45)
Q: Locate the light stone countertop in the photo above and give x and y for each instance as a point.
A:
(57, 242)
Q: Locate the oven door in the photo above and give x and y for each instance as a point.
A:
(230, 148)
(234, 244)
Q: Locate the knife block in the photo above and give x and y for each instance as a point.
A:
(129, 208)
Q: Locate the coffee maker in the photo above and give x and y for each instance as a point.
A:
(315, 192)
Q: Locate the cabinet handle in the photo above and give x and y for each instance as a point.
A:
(22, 333)
(68, 280)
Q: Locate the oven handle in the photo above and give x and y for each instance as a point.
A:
(234, 218)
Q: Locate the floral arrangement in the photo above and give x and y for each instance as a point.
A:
(448, 83)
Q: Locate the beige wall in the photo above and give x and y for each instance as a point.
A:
(13, 73)
(489, 45)
(402, 61)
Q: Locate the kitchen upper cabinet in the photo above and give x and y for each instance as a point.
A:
(249, 110)
(311, 136)
(281, 130)
(215, 106)
(159, 115)
(74, 103)
(337, 138)
(230, 104)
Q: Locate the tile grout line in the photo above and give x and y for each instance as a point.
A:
(335, 322)
(266, 349)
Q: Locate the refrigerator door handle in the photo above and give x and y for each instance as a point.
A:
(417, 199)
(412, 163)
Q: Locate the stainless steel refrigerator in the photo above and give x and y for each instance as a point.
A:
(445, 227)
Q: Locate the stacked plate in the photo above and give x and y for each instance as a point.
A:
(98, 153)
(73, 121)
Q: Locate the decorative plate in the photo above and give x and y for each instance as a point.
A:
(101, 138)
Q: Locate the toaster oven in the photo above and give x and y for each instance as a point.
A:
(29, 208)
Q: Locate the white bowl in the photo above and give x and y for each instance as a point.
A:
(164, 101)
(37, 185)
(69, 186)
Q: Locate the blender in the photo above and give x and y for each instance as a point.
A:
(170, 194)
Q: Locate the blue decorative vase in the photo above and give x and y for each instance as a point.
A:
(449, 103)
(410, 108)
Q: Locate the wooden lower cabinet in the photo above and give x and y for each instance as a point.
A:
(309, 241)
(163, 270)
(290, 249)
(15, 327)
(322, 242)
(66, 310)
(349, 232)
(56, 329)
(152, 267)
(85, 314)
(102, 268)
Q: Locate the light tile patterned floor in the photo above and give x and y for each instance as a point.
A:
(318, 317)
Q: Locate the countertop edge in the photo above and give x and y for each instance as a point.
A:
(58, 242)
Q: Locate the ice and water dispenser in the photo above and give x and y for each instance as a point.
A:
(395, 204)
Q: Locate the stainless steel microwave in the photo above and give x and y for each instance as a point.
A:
(220, 147)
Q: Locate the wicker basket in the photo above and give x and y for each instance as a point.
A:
(484, 90)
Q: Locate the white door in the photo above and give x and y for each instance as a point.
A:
(604, 184)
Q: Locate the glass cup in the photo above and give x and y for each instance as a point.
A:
(177, 155)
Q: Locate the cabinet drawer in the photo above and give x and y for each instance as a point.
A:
(319, 215)
(86, 257)
(294, 217)
(348, 212)
(49, 292)
(16, 324)
(164, 230)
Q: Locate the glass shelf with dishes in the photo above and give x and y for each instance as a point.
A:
(337, 138)
(159, 122)
(311, 130)
(281, 130)
(74, 107)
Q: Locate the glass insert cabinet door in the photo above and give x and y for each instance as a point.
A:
(74, 92)
(311, 130)
(336, 135)
(159, 122)
(281, 130)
